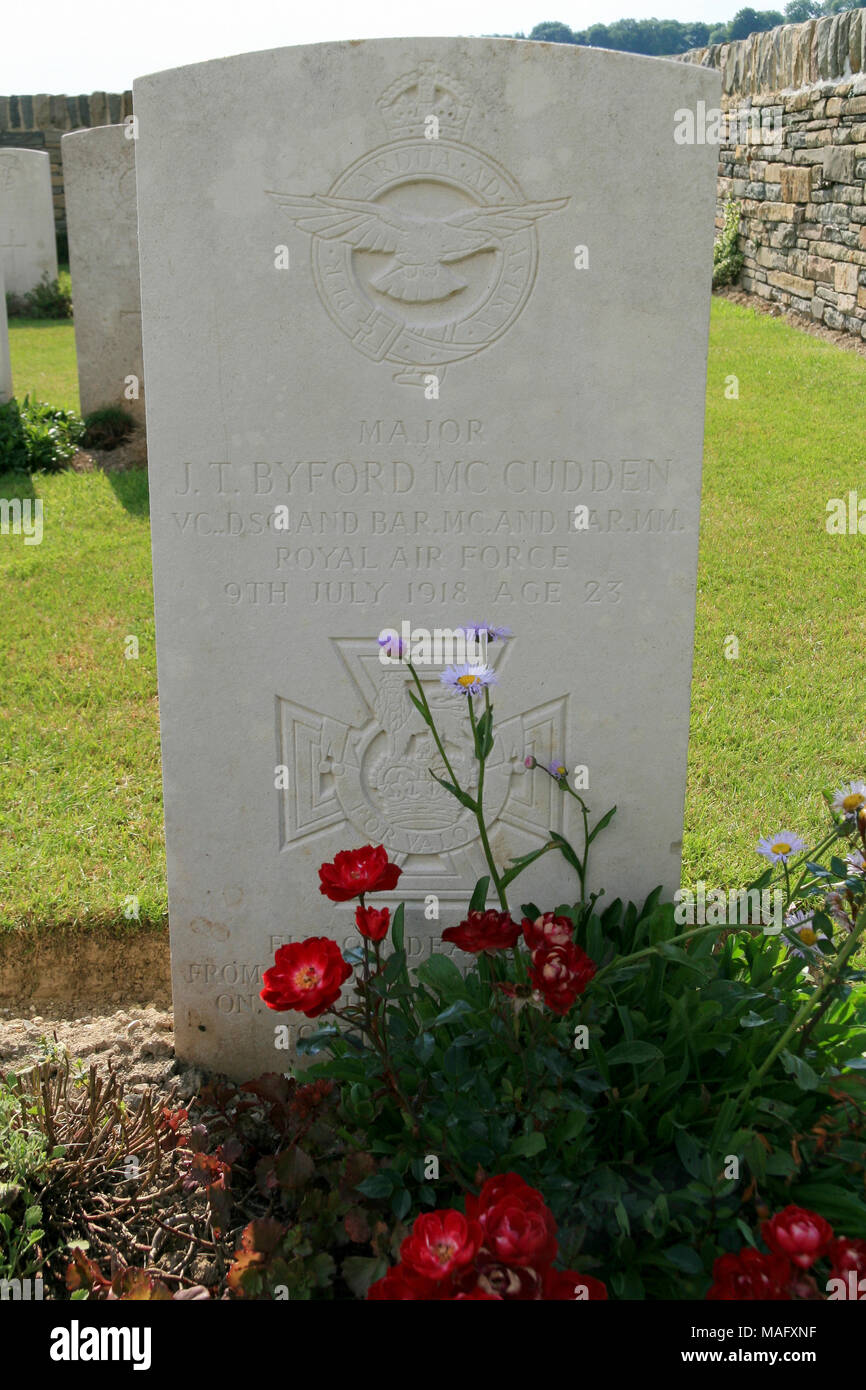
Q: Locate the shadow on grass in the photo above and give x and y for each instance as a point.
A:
(16, 485)
(130, 489)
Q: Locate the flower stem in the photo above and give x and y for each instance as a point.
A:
(479, 816)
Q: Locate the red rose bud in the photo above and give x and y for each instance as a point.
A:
(357, 871)
(846, 1254)
(750, 1275)
(440, 1244)
(560, 974)
(372, 922)
(800, 1235)
(547, 930)
(306, 976)
(517, 1226)
(566, 1285)
(484, 931)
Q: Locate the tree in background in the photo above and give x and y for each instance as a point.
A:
(667, 37)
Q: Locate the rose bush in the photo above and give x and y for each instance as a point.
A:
(662, 1087)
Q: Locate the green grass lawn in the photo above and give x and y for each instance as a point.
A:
(80, 803)
(43, 361)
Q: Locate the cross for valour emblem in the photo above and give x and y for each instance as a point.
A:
(424, 250)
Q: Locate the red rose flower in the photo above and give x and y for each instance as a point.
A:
(547, 930)
(357, 871)
(846, 1254)
(566, 1285)
(372, 922)
(511, 1283)
(801, 1236)
(517, 1226)
(561, 973)
(440, 1244)
(484, 931)
(750, 1275)
(306, 976)
(401, 1284)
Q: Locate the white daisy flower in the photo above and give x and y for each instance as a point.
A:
(850, 798)
(800, 923)
(468, 680)
(779, 848)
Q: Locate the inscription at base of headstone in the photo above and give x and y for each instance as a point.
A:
(99, 178)
(27, 244)
(415, 352)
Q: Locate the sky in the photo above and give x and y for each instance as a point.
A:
(76, 46)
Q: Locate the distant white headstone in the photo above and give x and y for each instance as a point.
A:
(27, 245)
(5, 361)
(99, 179)
(416, 349)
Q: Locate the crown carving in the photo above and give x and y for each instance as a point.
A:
(426, 91)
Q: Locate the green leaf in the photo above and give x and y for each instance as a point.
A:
(484, 735)
(522, 862)
(633, 1052)
(458, 1009)
(397, 927)
(463, 797)
(419, 705)
(684, 1258)
(605, 821)
(360, 1271)
(442, 975)
(379, 1184)
(528, 1145)
(479, 895)
(803, 1074)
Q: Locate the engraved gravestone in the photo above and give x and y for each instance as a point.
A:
(27, 245)
(415, 351)
(5, 362)
(99, 178)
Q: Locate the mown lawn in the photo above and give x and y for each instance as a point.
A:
(80, 801)
(43, 361)
(770, 729)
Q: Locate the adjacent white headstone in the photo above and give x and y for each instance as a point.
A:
(27, 245)
(5, 360)
(99, 178)
(330, 236)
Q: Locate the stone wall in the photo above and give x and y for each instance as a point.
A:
(39, 123)
(794, 158)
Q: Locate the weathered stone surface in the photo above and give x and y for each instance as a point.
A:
(99, 172)
(838, 164)
(796, 184)
(27, 245)
(304, 388)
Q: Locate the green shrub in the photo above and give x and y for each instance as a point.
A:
(50, 299)
(35, 436)
(23, 1160)
(727, 256)
(107, 428)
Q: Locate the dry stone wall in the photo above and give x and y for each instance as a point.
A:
(40, 122)
(793, 155)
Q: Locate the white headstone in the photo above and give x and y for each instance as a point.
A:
(5, 361)
(328, 236)
(99, 179)
(27, 245)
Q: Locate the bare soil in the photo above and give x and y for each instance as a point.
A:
(848, 341)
